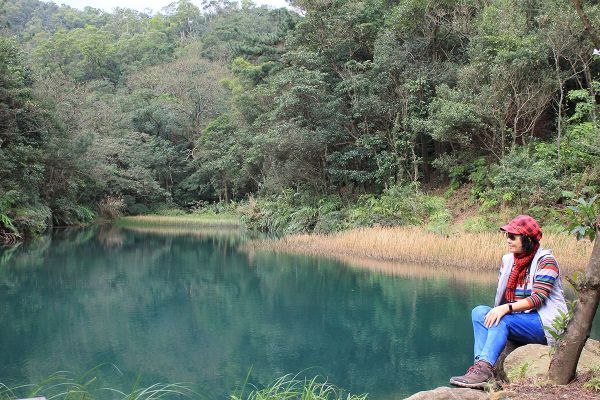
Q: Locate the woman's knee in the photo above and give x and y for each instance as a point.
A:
(479, 313)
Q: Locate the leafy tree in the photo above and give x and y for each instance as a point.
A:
(82, 54)
(219, 157)
(22, 136)
(184, 19)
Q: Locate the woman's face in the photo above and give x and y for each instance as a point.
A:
(514, 243)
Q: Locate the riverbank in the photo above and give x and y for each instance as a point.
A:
(466, 251)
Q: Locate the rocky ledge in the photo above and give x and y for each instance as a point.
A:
(524, 363)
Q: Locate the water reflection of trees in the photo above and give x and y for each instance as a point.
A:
(184, 308)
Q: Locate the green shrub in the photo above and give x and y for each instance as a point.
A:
(205, 207)
(269, 214)
(85, 214)
(479, 176)
(7, 199)
(522, 179)
(33, 220)
(330, 222)
(584, 217)
(291, 212)
(170, 212)
(440, 218)
(479, 224)
(65, 212)
(302, 220)
(137, 209)
(399, 205)
(6, 224)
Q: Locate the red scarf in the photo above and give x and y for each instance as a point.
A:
(518, 273)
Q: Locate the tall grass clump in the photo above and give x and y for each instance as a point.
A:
(64, 385)
(289, 387)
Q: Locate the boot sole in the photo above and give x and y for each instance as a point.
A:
(480, 385)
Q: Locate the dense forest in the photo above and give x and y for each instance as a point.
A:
(340, 113)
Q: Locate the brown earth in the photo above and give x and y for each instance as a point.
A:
(529, 390)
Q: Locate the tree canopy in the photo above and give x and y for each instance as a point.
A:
(345, 98)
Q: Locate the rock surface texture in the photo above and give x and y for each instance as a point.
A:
(446, 393)
(533, 360)
(530, 361)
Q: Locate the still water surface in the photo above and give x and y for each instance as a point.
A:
(176, 307)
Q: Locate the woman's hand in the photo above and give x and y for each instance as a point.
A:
(494, 316)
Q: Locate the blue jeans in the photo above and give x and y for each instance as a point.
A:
(523, 328)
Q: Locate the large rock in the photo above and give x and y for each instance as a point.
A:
(446, 393)
(533, 360)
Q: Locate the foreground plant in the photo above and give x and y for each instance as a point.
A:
(289, 387)
(64, 385)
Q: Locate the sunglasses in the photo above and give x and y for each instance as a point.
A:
(511, 236)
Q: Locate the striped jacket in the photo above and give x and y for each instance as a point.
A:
(543, 289)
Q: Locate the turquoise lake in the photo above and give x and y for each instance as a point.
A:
(174, 306)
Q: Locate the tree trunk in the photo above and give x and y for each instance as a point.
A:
(560, 113)
(589, 79)
(559, 127)
(415, 162)
(589, 30)
(425, 160)
(514, 133)
(564, 361)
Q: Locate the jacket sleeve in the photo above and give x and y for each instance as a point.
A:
(543, 282)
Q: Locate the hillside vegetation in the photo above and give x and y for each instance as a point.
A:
(347, 113)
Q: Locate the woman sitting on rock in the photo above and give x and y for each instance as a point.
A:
(528, 298)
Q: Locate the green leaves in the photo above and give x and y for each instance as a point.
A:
(7, 224)
(585, 218)
(525, 180)
(560, 322)
(83, 54)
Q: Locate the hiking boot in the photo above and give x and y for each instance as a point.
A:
(477, 376)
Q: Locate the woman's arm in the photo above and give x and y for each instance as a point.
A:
(495, 314)
(542, 286)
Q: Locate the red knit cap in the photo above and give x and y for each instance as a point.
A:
(524, 225)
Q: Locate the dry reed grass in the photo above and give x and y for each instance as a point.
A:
(180, 220)
(466, 251)
(198, 231)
